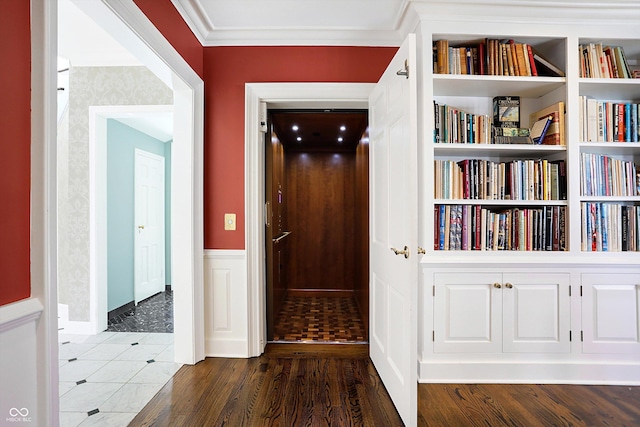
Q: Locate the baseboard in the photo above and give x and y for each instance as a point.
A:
(120, 310)
(336, 293)
(66, 326)
(530, 373)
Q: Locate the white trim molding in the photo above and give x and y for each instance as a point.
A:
(225, 303)
(187, 231)
(19, 357)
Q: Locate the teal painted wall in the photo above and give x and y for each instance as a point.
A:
(122, 141)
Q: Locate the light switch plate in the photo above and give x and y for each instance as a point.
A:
(230, 221)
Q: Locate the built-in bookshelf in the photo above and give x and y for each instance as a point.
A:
(608, 135)
(490, 195)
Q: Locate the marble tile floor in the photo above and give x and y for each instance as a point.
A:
(106, 379)
(154, 314)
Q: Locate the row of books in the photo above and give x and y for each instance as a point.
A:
(610, 227)
(454, 126)
(603, 121)
(491, 57)
(606, 176)
(598, 61)
(478, 179)
(476, 228)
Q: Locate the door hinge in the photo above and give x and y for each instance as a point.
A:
(434, 291)
(433, 336)
(581, 336)
(580, 290)
(569, 290)
(405, 70)
(570, 336)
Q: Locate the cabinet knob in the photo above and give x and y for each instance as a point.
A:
(509, 285)
(497, 285)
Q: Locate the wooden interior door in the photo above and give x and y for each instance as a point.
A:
(276, 241)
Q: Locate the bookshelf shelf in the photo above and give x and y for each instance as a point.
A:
(611, 89)
(502, 150)
(490, 86)
(501, 203)
(611, 199)
(614, 148)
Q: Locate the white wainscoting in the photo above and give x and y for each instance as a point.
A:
(18, 362)
(225, 303)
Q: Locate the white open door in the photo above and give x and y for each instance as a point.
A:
(393, 210)
(149, 225)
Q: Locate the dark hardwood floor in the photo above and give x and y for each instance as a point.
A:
(336, 385)
(527, 405)
(289, 385)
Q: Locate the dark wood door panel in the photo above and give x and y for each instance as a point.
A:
(321, 215)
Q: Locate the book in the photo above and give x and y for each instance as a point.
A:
(506, 111)
(539, 129)
(555, 134)
(545, 67)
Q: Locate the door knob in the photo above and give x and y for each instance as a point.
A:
(509, 285)
(497, 285)
(421, 250)
(141, 227)
(404, 252)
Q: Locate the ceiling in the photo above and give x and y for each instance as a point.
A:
(83, 43)
(249, 22)
(297, 22)
(319, 130)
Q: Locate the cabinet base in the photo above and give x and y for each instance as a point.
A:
(527, 373)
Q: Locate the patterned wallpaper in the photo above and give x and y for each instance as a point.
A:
(89, 86)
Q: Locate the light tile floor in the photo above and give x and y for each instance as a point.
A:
(106, 379)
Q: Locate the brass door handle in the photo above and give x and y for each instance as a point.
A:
(421, 250)
(141, 227)
(497, 285)
(404, 252)
(508, 285)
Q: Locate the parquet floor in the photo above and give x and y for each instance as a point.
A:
(319, 319)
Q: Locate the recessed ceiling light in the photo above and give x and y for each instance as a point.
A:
(343, 128)
(340, 139)
(299, 139)
(294, 127)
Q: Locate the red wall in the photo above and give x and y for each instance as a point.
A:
(15, 150)
(167, 19)
(226, 70)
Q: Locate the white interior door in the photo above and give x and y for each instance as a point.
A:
(393, 211)
(149, 225)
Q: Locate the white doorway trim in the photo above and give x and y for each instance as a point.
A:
(98, 116)
(276, 95)
(187, 231)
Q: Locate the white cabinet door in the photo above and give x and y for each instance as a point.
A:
(468, 313)
(536, 314)
(611, 313)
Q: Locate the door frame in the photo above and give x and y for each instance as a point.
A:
(98, 263)
(187, 203)
(276, 95)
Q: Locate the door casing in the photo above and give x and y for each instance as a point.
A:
(277, 95)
